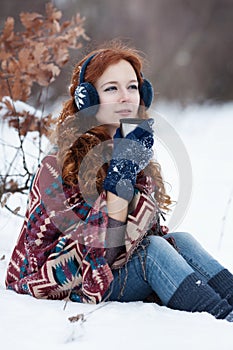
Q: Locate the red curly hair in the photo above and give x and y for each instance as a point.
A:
(78, 134)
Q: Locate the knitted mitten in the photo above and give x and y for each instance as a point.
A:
(130, 155)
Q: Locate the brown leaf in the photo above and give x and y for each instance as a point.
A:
(31, 20)
(61, 54)
(54, 69)
(12, 185)
(3, 257)
(41, 53)
(5, 199)
(24, 56)
(65, 25)
(47, 74)
(4, 56)
(46, 124)
(52, 12)
(13, 66)
(8, 104)
(76, 318)
(21, 89)
(8, 30)
(16, 210)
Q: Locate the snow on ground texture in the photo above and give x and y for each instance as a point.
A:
(27, 323)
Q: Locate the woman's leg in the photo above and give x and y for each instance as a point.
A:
(157, 267)
(160, 268)
(218, 277)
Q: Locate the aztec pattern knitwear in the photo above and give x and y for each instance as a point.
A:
(60, 253)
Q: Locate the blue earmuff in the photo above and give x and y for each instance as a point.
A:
(86, 94)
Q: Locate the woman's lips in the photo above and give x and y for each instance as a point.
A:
(124, 112)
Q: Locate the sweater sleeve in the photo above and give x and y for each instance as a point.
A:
(115, 238)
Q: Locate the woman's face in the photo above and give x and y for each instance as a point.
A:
(118, 94)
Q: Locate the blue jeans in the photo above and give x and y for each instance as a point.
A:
(161, 268)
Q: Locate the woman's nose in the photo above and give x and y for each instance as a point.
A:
(124, 95)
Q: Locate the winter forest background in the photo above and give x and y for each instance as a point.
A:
(188, 43)
(188, 46)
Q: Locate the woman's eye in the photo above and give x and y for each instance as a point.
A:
(133, 86)
(111, 88)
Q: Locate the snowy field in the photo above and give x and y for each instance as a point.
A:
(206, 135)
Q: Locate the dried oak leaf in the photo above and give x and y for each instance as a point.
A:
(19, 87)
(16, 210)
(8, 104)
(41, 53)
(12, 185)
(4, 56)
(65, 25)
(54, 27)
(14, 123)
(5, 199)
(29, 123)
(31, 20)
(46, 125)
(61, 53)
(8, 30)
(24, 56)
(13, 66)
(32, 57)
(77, 318)
(47, 74)
(52, 12)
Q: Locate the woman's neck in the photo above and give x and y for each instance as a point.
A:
(111, 129)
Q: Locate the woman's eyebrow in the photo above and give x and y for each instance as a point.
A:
(116, 82)
(108, 82)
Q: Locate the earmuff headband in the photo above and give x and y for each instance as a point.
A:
(83, 69)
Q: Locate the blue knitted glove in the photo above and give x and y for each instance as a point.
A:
(130, 155)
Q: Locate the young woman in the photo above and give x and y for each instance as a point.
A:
(91, 231)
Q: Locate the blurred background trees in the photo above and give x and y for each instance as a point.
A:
(188, 44)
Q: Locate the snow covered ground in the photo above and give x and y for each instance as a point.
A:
(27, 323)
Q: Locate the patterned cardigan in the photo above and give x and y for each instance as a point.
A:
(60, 253)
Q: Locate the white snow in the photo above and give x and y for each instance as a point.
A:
(28, 323)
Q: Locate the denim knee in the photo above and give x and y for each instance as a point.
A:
(185, 241)
(195, 255)
(184, 236)
(159, 244)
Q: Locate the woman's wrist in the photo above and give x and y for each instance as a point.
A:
(117, 207)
